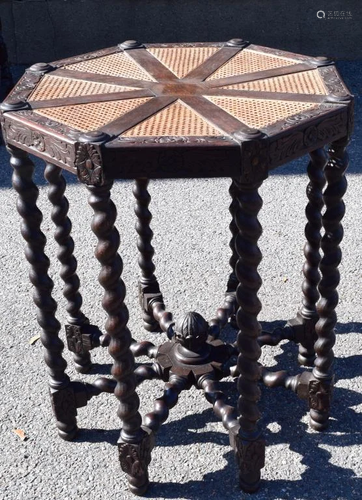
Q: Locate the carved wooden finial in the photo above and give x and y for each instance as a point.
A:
(237, 42)
(344, 98)
(191, 331)
(248, 133)
(322, 61)
(40, 68)
(14, 105)
(95, 136)
(130, 44)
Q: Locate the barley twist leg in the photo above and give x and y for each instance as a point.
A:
(61, 391)
(320, 390)
(308, 312)
(68, 272)
(135, 444)
(148, 285)
(227, 311)
(233, 281)
(250, 447)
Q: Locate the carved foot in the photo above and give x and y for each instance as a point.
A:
(65, 411)
(134, 459)
(318, 393)
(250, 457)
(320, 398)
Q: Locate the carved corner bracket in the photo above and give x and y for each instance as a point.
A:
(64, 404)
(255, 156)
(88, 158)
(135, 459)
(89, 165)
(250, 457)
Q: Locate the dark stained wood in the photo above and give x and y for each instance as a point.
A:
(184, 44)
(178, 160)
(215, 115)
(297, 122)
(260, 75)
(86, 57)
(305, 132)
(308, 312)
(25, 131)
(280, 53)
(110, 278)
(211, 64)
(159, 415)
(148, 286)
(273, 96)
(62, 396)
(98, 78)
(68, 272)
(320, 394)
(187, 89)
(193, 355)
(86, 99)
(152, 65)
(137, 115)
(246, 269)
(333, 81)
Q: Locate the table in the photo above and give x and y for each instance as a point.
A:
(194, 110)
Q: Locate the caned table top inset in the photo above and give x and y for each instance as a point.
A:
(177, 110)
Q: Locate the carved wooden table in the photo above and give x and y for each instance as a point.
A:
(177, 111)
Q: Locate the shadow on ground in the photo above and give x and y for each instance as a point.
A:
(345, 430)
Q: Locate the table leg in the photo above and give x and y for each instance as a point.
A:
(227, 311)
(62, 394)
(308, 315)
(148, 285)
(233, 281)
(320, 390)
(135, 443)
(57, 185)
(250, 446)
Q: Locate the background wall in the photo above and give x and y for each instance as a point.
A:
(45, 30)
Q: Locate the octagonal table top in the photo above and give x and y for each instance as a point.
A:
(177, 110)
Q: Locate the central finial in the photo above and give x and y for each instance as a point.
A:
(191, 331)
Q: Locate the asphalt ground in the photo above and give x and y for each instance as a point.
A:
(192, 459)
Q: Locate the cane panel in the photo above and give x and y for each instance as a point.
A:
(182, 60)
(250, 61)
(180, 108)
(258, 113)
(176, 120)
(306, 82)
(55, 87)
(87, 117)
(119, 64)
